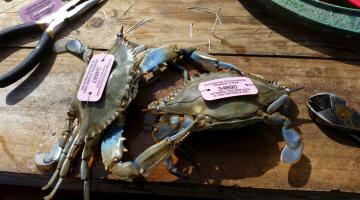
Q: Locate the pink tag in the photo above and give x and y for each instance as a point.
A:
(38, 9)
(227, 87)
(95, 78)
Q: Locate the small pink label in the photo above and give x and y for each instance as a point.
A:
(227, 87)
(95, 77)
(39, 9)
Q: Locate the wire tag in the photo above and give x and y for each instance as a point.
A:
(95, 77)
(39, 9)
(227, 87)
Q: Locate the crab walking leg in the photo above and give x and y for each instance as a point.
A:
(152, 156)
(60, 163)
(46, 160)
(70, 127)
(84, 169)
(62, 158)
(64, 168)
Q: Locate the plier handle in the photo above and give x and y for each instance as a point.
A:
(50, 26)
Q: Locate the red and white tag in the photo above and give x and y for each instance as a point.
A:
(95, 78)
(39, 9)
(227, 87)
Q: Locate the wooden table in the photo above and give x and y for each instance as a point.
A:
(32, 110)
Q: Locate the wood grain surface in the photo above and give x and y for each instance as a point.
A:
(247, 28)
(33, 110)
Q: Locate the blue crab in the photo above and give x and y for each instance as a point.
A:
(185, 111)
(88, 122)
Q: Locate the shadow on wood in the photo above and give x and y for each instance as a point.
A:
(300, 172)
(339, 137)
(28, 85)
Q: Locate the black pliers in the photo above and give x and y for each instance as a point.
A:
(50, 26)
(332, 111)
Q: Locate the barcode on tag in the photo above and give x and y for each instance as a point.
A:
(95, 77)
(39, 9)
(227, 87)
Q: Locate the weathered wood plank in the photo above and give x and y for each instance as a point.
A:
(247, 29)
(109, 189)
(249, 157)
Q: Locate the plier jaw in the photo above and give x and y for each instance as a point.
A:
(332, 111)
(49, 26)
(73, 9)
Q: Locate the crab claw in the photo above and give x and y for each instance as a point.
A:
(206, 61)
(73, 46)
(112, 147)
(291, 137)
(291, 155)
(151, 157)
(158, 56)
(294, 146)
(169, 125)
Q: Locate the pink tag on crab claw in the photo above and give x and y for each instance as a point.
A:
(227, 87)
(39, 9)
(95, 77)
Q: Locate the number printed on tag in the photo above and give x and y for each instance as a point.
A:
(95, 77)
(39, 9)
(227, 87)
